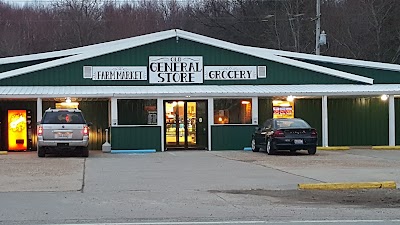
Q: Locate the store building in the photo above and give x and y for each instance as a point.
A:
(180, 90)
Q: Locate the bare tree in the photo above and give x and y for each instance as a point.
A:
(81, 21)
(361, 29)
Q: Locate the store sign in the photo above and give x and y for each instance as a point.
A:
(119, 73)
(175, 69)
(230, 72)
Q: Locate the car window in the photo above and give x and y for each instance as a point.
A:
(63, 118)
(268, 124)
(291, 123)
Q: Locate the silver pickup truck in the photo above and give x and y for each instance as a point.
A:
(63, 130)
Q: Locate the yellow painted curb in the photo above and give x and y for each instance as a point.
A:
(3, 152)
(345, 186)
(386, 147)
(334, 148)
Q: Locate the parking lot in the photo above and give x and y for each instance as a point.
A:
(194, 184)
(195, 170)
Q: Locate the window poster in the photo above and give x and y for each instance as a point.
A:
(283, 109)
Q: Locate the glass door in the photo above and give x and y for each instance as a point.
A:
(185, 124)
(174, 124)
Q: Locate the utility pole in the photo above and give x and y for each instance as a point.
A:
(318, 28)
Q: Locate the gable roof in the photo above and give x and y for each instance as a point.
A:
(72, 51)
(330, 59)
(83, 53)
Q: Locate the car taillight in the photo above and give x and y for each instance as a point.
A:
(86, 130)
(279, 133)
(314, 133)
(40, 131)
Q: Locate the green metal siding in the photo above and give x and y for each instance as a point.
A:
(15, 105)
(72, 74)
(311, 111)
(13, 66)
(231, 137)
(95, 112)
(379, 76)
(264, 110)
(358, 122)
(130, 138)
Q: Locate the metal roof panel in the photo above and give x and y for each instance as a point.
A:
(197, 91)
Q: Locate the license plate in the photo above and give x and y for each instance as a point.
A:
(298, 141)
(63, 135)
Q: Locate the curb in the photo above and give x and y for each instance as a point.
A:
(3, 152)
(334, 148)
(385, 147)
(133, 151)
(348, 186)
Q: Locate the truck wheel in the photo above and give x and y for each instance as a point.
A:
(85, 152)
(41, 152)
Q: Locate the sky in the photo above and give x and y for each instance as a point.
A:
(23, 2)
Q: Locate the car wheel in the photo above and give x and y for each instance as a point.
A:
(254, 148)
(312, 150)
(41, 152)
(85, 152)
(269, 148)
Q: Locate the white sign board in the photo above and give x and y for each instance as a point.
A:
(230, 72)
(175, 69)
(119, 73)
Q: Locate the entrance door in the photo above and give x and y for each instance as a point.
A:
(186, 124)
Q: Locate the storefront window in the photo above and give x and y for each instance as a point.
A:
(137, 111)
(232, 111)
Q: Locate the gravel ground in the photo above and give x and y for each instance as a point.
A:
(326, 159)
(373, 198)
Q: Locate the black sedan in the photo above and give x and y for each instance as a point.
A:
(285, 134)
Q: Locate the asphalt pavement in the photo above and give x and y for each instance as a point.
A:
(197, 187)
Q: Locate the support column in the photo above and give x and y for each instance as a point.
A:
(325, 121)
(210, 120)
(39, 114)
(160, 120)
(114, 112)
(254, 109)
(392, 122)
(39, 109)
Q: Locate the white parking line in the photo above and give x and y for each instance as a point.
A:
(344, 221)
(171, 223)
(240, 222)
